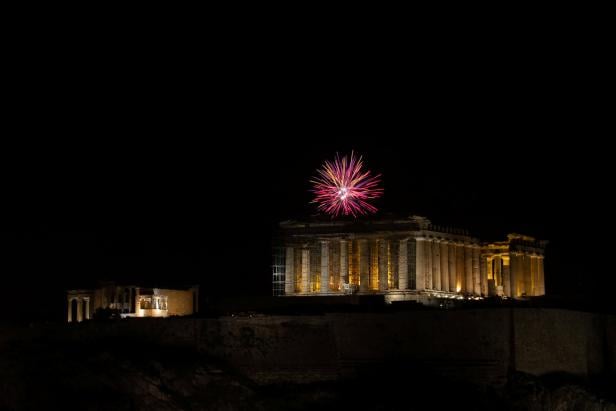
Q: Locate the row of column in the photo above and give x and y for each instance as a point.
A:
(383, 260)
(121, 298)
(82, 303)
(304, 271)
(527, 275)
(448, 266)
(436, 265)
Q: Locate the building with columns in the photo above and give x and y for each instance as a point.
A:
(132, 301)
(404, 259)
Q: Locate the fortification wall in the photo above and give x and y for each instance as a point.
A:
(476, 345)
(179, 302)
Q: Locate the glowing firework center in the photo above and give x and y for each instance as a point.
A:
(403, 259)
(343, 187)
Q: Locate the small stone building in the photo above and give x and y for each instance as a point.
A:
(132, 301)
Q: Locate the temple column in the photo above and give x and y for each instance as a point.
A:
(497, 275)
(483, 275)
(527, 275)
(87, 302)
(383, 265)
(79, 310)
(70, 309)
(468, 269)
(289, 271)
(428, 263)
(436, 264)
(344, 261)
(537, 284)
(476, 277)
(420, 267)
(515, 273)
(305, 271)
(506, 276)
(403, 269)
(364, 266)
(452, 266)
(540, 276)
(533, 275)
(444, 265)
(324, 287)
(459, 267)
(490, 275)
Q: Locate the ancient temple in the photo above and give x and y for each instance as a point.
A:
(130, 300)
(404, 259)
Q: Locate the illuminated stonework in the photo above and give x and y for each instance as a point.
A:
(131, 301)
(404, 259)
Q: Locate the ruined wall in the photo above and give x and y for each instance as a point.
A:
(472, 344)
(480, 345)
(550, 341)
(179, 302)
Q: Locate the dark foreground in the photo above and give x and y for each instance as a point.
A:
(419, 360)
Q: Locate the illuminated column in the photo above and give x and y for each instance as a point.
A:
(490, 274)
(506, 275)
(79, 310)
(305, 271)
(383, 266)
(483, 275)
(515, 273)
(459, 267)
(428, 263)
(364, 266)
(512, 273)
(324, 267)
(468, 269)
(436, 264)
(87, 302)
(70, 309)
(540, 276)
(476, 276)
(420, 267)
(289, 271)
(344, 261)
(537, 280)
(403, 268)
(452, 266)
(444, 265)
(497, 275)
(533, 274)
(527, 275)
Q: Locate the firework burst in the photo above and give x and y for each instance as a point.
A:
(342, 187)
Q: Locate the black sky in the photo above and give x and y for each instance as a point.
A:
(142, 175)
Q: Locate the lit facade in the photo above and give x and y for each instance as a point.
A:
(404, 259)
(132, 301)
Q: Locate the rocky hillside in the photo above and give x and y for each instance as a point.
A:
(119, 373)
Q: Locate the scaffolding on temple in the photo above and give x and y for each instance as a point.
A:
(278, 271)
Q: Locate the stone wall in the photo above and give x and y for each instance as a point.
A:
(179, 302)
(551, 340)
(480, 345)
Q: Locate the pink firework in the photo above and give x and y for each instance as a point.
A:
(342, 187)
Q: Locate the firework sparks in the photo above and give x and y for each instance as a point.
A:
(342, 187)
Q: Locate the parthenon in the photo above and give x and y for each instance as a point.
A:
(404, 259)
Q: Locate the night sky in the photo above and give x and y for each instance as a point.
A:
(186, 182)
